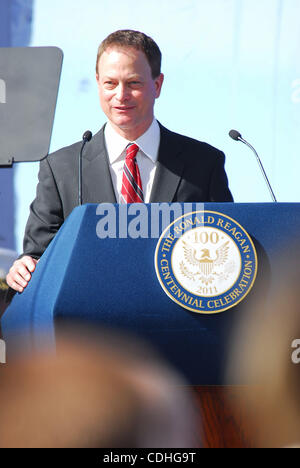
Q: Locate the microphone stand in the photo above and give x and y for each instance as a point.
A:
(87, 136)
(261, 167)
(235, 135)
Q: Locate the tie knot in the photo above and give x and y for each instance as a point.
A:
(131, 151)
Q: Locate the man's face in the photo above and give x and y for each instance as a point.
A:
(127, 90)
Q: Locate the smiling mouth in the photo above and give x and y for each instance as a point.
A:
(127, 108)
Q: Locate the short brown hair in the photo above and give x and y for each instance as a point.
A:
(138, 40)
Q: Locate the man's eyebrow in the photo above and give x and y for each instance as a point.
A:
(135, 77)
(128, 78)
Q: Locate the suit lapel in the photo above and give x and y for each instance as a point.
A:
(169, 168)
(97, 183)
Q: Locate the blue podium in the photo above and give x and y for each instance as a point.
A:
(112, 282)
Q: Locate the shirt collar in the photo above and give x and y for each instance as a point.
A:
(148, 142)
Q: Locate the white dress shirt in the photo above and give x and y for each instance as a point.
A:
(146, 157)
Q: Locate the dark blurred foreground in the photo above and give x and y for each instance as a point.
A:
(97, 390)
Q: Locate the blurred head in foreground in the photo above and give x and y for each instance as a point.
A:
(100, 391)
(262, 355)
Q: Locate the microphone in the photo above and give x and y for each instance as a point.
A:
(235, 135)
(86, 137)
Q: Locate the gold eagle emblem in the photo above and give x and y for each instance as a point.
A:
(205, 263)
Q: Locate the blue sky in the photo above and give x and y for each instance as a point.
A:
(227, 64)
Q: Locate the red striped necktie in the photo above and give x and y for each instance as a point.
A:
(132, 191)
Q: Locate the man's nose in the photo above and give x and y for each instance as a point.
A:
(122, 92)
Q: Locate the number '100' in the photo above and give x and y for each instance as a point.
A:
(204, 237)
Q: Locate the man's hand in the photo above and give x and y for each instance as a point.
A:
(20, 273)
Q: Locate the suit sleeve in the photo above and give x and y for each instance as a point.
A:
(218, 189)
(46, 214)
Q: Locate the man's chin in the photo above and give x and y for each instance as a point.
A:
(130, 128)
(124, 124)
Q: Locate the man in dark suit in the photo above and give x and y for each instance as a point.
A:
(169, 167)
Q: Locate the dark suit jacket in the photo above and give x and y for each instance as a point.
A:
(187, 171)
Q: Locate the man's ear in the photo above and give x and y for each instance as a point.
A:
(158, 84)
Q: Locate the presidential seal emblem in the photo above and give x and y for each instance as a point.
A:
(206, 262)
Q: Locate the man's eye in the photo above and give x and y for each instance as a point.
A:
(135, 83)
